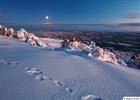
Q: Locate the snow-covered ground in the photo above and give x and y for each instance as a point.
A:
(52, 43)
(88, 49)
(30, 73)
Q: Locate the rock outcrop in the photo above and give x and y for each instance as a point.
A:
(135, 61)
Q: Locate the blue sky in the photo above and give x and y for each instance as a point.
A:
(70, 11)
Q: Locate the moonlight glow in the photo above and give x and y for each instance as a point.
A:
(47, 17)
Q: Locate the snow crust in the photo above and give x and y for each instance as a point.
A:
(90, 97)
(41, 74)
(90, 50)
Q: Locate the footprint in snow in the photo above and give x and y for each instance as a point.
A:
(32, 71)
(36, 73)
(90, 97)
(9, 63)
(57, 83)
(68, 90)
(49, 78)
(3, 61)
(14, 63)
(40, 77)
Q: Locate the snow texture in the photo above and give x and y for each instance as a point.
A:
(41, 74)
(29, 73)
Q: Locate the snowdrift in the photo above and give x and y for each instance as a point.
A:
(91, 50)
(28, 73)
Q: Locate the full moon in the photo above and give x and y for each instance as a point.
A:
(47, 17)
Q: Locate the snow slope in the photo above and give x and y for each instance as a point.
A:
(31, 73)
(90, 49)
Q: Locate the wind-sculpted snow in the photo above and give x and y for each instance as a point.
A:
(89, 50)
(42, 74)
(22, 35)
(97, 52)
(52, 43)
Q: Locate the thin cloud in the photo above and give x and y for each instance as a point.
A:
(128, 18)
(132, 15)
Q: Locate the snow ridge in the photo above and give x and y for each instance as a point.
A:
(91, 50)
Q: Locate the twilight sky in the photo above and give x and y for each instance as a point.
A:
(70, 11)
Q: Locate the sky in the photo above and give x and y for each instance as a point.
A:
(70, 11)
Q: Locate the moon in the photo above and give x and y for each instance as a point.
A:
(47, 17)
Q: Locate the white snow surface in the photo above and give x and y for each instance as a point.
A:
(92, 50)
(44, 74)
(52, 43)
